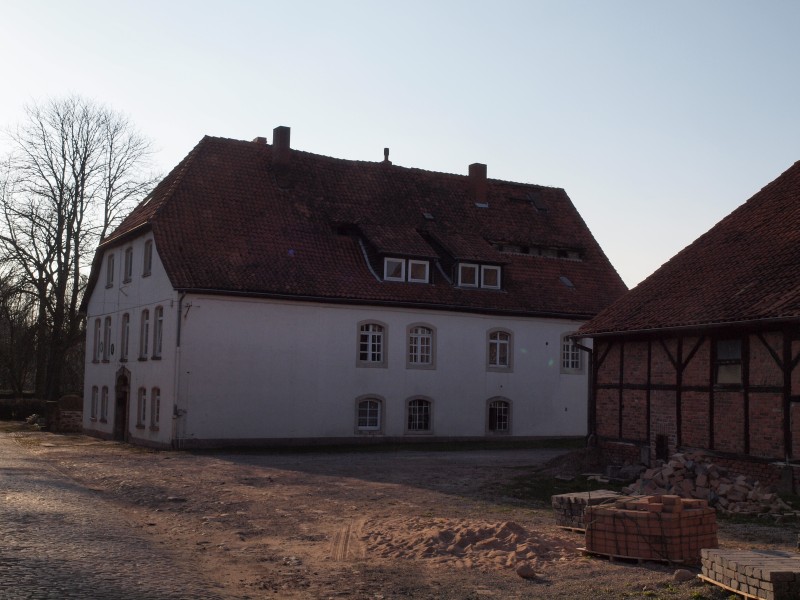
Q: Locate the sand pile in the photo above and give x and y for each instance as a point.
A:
(465, 544)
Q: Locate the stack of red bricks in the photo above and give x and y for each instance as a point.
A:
(569, 508)
(695, 476)
(667, 528)
(754, 574)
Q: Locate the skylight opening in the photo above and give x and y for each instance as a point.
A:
(567, 282)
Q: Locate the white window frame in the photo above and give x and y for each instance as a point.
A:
(147, 266)
(416, 339)
(494, 350)
(141, 407)
(128, 267)
(104, 404)
(93, 413)
(155, 407)
(371, 428)
(110, 270)
(372, 344)
(392, 260)
(416, 263)
(493, 404)
(158, 331)
(125, 336)
(470, 267)
(106, 339)
(423, 405)
(487, 269)
(96, 346)
(144, 334)
(571, 356)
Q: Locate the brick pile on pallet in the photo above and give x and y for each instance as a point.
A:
(767, 575)
(695, 476)
(569, 508)
(664, 528)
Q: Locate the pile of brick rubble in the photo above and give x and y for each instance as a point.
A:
(694, 476)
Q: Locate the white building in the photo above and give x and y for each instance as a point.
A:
(265, 295)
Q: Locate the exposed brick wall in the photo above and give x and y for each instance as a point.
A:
(728, 422)
(795, 418)
(696, 371)
(763, 368)
(607, 402)
(694, 419)
(662, 370)
(608, 373)
(635, 365)
(634, 415)
(614, 453)
(766, 425)
(765, 413)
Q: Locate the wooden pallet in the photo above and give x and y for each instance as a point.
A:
(575, 529)
(636, 559)
(730, 589)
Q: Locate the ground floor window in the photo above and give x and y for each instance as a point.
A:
(141, 408)
(155, 407)
(93, 413)
(499, 416)
(419, 415)
(369, 414)
(104, 404)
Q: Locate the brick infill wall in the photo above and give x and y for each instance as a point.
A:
(663, 528)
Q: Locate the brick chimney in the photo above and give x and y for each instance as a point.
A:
(477, 181)
(281, 149)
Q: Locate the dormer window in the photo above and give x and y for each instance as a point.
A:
(467, 275)
(490, 277)
(394, 269)
(418, 271)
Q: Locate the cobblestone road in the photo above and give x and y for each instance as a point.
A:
(61, 541)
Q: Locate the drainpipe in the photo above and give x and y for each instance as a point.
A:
(176, 412)
(591, 425)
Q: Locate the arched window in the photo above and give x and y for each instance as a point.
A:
(419, 416)
(144, 334)
(369, 414)
(371, 344)
(155, 407)
(125, 335)
(420, 347)
(158, 331)
(499, 351)
(499, 416)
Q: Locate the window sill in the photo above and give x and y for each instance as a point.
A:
(153, 427)
(123, 360)
(142, 359)
(499, 369)
(127, 280)
(93, 419)
(146, 274)
(105, 360)
(109, 285)
(140, 427)
(155, 358)
(427, 432)
(102, 420)
(370, 365)
(420, 367)
(95, 361)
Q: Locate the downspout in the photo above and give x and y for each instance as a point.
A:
(176, 412)
(591, 425)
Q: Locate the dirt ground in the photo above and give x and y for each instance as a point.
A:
(362, 524)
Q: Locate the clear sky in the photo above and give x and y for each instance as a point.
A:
(658, 118)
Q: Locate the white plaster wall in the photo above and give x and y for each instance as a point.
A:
(253, 368)
(142, 292)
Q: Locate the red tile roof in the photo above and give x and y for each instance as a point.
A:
(229, 219)
(745, 268)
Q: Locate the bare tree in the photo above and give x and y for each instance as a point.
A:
(76, 168)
